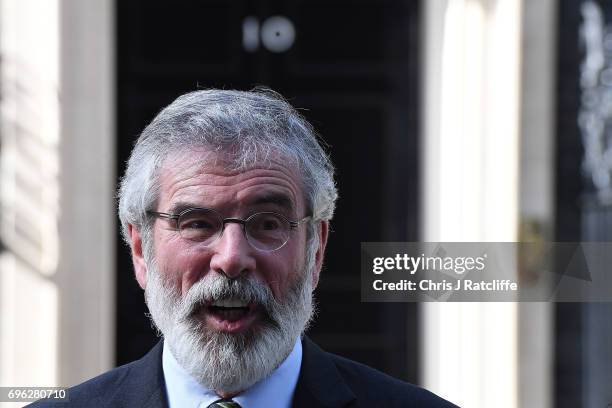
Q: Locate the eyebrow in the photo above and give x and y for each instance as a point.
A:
(181, 206)
(279, 199)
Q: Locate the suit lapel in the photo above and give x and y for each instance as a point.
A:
(144, 384)
(320, 383)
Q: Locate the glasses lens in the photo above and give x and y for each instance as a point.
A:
(267, 231)
(200, 225)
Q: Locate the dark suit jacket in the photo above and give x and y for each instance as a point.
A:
(326, 380)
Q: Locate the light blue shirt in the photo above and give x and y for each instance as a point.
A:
(276, 391)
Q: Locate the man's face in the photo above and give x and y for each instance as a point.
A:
(188, 183)
(186, 275)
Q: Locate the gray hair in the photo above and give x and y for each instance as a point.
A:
(250, 127)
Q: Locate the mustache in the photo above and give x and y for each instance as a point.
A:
(215, 287)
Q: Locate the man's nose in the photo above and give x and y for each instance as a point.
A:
(232, 253)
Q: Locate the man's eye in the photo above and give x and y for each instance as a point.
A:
(266, 223)
(197, 224)
(270, 225)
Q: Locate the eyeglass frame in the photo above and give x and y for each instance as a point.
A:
(241, 221)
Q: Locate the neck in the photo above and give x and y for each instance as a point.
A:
(227, 395)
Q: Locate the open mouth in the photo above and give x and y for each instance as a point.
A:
(229, 309)
(230, 315)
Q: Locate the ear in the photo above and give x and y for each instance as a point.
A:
(323, 231)
(140, 267)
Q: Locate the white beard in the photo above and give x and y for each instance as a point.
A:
(225, 362)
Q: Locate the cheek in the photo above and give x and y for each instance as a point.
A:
(181, 265)
(284, 271)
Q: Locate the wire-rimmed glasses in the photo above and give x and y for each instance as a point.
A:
(265, 231)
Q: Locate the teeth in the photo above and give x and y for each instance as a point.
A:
(230, 303)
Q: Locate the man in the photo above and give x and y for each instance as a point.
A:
(226, 204)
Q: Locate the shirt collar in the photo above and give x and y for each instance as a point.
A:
(275, 391)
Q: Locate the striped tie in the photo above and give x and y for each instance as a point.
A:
(224, 404)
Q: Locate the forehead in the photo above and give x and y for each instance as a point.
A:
(209, 179)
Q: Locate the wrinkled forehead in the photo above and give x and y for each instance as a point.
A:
(193, 162)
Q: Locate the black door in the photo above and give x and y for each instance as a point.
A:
(352, 66)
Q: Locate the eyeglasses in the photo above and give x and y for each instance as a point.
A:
(265, 231)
